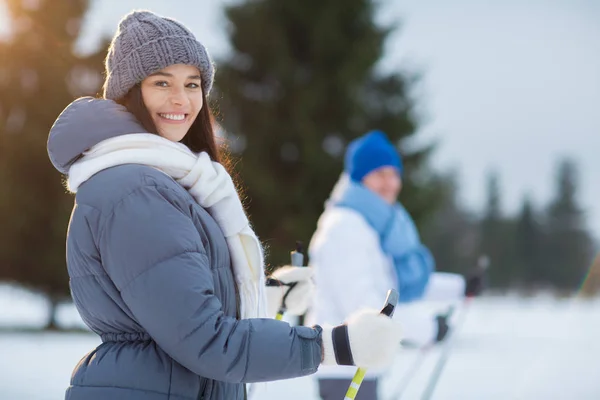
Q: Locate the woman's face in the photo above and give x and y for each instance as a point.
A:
(173, 97)
(384, 181)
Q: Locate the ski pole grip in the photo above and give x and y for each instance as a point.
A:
(391, 301)
(297, 258)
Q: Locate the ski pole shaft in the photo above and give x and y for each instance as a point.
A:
(388, 309)
(439, 367)
(355, 384)
(416, 365)
(411, 373)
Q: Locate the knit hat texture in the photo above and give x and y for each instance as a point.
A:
(146, 43)
(370, 152)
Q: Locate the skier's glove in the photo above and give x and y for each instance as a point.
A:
(368, 339)
(442, 327)
(292, 287)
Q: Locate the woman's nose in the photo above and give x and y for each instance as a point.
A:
(179, 97)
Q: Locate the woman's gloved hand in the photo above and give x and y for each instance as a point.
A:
(291, 287)
(368, 339)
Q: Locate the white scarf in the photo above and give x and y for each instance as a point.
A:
(210, 185)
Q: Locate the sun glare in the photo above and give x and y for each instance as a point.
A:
(4, 22)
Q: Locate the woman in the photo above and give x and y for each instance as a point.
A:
(366, 241)
(163, 263)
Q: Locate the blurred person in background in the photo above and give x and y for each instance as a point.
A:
(163, 263)
(365, 242)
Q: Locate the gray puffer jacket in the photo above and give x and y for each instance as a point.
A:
(150, 273)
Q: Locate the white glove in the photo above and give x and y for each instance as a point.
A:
(368, 339)
(300, 295)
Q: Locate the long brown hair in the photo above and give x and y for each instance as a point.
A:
(200, 136)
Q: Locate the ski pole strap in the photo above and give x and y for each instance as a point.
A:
(287, 292)
(341, 345)
(278, 283)
(274, 282)
(355, 384)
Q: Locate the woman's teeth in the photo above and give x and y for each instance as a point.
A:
(174, 117)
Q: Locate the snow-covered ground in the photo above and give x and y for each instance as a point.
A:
(508, 348)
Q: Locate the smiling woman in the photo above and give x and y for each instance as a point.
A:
(170, 103)
(173, 97)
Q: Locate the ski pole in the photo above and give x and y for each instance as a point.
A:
(483, 264)
(437, 371)
(297, 260)
(388, 309)
(416, 365)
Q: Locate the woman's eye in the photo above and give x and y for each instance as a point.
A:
(193, 85)
(161, 83)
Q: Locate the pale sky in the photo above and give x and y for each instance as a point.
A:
(510, 85)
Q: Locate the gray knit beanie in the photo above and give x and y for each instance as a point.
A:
(146, 43)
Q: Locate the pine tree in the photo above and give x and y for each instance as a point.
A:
(299, 84)
(495, 233)
(451, 233)
(569, 253)
(528, 243)
(39, 76)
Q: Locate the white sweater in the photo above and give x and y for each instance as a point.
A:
(351, 272)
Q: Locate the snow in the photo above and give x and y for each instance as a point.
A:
(25, 309)
(507, 348)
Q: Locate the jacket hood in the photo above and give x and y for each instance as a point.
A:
(84, 123)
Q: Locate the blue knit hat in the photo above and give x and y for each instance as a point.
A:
(145, 43)
(368, 153)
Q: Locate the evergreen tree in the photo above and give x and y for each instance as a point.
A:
(299, 84)
(451, 233)
(530, 269)
(568, 254)
(495, 234)
(39, 76)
